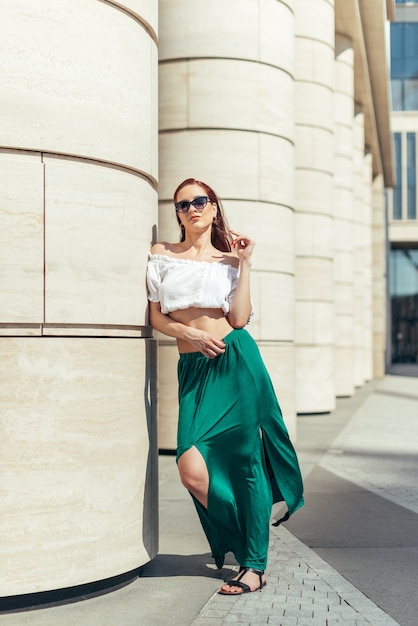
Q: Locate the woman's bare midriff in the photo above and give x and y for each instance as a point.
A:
(212, 321)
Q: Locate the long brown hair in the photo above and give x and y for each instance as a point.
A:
(221, 236)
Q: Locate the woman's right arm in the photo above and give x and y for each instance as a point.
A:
(164, 323)
(199, 339)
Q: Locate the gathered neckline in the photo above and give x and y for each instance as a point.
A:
(192, 261)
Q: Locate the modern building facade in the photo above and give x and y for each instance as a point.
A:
(402, 201)
(282, 106)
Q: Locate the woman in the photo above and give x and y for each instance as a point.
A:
(233, 455)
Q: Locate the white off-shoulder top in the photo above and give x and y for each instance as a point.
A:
(183, 283)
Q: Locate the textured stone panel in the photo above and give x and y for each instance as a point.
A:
(315, 20)
(185, 100)
(99, 225)
(21, 238)
(343, 367)
(315, 279)
(343, 271)
(276, 38)
(314, 234)
(314, 62)
(78, 78)
(343, 236)
(259, 166)
(314, 392)
(184, 28)
(168, 357)
(262, 31)
(280, 362)
(173, 95)
(314, 148)
(234, 168)
(343, 177)
(344, 77)
(344, 202)
(273, 298)
(344, 108)
(314, 323)
(320, 112)
(74, 457)
(276, 173)
(344, 329)
(314, 192)
(344, 297)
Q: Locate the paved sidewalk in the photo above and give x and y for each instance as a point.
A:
(378, 449)
(367, 449)
(302, 590)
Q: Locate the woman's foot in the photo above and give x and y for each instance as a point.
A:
(247, 580)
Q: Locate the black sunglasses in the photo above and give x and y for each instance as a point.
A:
(198, 203)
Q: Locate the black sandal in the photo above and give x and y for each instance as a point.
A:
(245, 588)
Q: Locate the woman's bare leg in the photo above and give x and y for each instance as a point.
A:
(194, 474)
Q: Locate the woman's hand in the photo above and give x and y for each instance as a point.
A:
(241, 306)
(204, 342)
(243, 246)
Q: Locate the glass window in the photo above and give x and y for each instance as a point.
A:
(397, 94)
(410, 94)
(404, 65)
(403, 273)
(397, 190)
(411, 202)
(396, 44)
(404, 49)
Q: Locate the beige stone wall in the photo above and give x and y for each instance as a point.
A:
(226, 117)
(363, 316)
(78, 154)
(314, 181)
(367, 255)
(379, 277)
(343, 234)
(358, 223)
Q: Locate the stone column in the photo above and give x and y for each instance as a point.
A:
(367, 269)
(314, 71)
(226, 117)
(358, 233)
(343, 193)
(78, 206)
(379, 276)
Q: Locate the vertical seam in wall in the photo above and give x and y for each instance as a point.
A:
(259, 166)
(188, 91)
(44, 242)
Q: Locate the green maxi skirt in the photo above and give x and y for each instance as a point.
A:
(229, 411)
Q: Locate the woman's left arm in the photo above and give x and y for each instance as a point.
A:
(241, 306)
